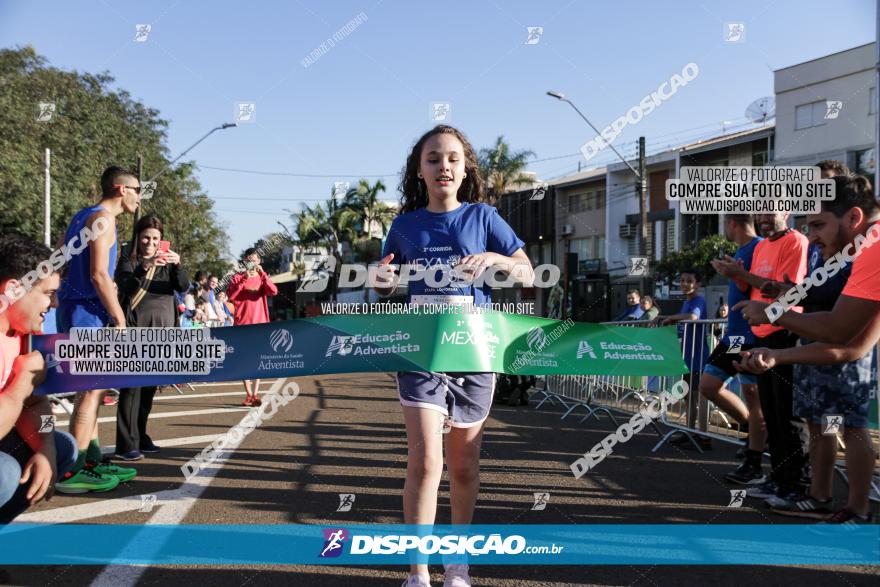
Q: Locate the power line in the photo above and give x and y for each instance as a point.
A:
(655, 141)
(291, 174)
(290, 199)
(282, 213)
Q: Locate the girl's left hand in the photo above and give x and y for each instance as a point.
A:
(474, 265)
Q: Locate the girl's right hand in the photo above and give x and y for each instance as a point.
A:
(385, 278)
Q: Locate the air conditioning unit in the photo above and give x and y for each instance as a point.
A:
(628, 230)
(567, 229)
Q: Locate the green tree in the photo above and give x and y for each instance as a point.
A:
(502, 169)
(696, 256)
(363, 208)
(327, 226)
(369, 211)
(95, 124)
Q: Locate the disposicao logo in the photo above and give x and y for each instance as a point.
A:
(333, 542)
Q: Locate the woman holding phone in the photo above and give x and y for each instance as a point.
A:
(249, 291)
(147, 278)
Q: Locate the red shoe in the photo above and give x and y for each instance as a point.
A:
(109, 400)
(248, 402)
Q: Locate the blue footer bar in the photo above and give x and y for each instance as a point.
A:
(654, 544)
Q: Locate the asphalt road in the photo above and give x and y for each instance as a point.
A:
(344, 434)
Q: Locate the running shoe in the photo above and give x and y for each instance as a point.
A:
(765, 490)
(416, 581)
(62, 406)
(457, 576)
(848, 517)
(86, 480)
(746, 474)
(149, 447)
(132, 455)
(800, 506)
(704, 442)
(106, 467)
(678, 438)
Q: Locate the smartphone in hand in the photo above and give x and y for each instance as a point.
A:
(164, 247)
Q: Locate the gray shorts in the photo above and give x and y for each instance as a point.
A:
(846, 390)
(465, 397)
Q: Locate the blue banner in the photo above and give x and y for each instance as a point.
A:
(455, 342)
(636, 544)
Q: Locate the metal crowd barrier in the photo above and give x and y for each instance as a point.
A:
(691, 416)
(55, 398)
(610, 394)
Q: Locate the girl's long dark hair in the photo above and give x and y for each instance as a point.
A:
(149, 221)
(414, 193)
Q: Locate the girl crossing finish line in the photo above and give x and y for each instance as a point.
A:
(444, 227)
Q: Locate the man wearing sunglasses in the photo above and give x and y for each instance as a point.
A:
(87, 299)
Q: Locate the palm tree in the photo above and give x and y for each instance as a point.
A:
(368, 210)
(328, 225)
(308, 224)
(502, 169)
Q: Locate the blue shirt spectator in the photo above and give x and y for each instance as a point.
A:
(634, 309)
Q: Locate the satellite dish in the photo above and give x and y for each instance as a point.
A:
(762, 110)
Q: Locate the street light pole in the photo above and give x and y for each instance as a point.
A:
(223, 126)
(640, 174)
(643, 202)
(47, 198)
(560, 96)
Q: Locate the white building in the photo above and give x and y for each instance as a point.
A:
(826, 108)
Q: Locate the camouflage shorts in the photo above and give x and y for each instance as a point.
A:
(821, 390)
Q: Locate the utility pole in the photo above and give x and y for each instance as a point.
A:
(47, 199)
(139, 169)
(643, 204)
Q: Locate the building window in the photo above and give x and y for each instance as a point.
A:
(759, 157)
(546, 253)
(670, 236)
(632, 246)
(809, 115)
(592, 200)
(584, 247)
(576, 202)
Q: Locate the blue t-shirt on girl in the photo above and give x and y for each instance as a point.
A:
(437, 241)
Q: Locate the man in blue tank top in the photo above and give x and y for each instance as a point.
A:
(88, 299)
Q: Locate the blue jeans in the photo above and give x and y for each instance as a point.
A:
(14, 455)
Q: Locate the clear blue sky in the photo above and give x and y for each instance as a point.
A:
(359, 108)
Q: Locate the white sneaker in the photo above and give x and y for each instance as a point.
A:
(457, 576)
(417, 581)
(64, 406)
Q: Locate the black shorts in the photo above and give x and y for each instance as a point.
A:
(720, 363)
